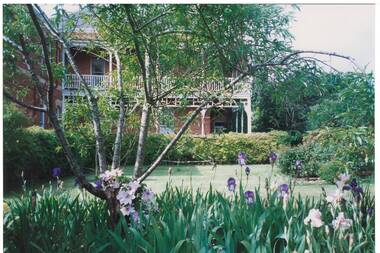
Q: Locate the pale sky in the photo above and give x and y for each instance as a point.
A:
(344, 29)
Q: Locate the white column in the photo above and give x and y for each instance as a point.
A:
(242, 122)
(248, 110)
(110, 66)
(203, 113)
(237, 122)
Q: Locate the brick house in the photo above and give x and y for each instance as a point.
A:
(234, 116)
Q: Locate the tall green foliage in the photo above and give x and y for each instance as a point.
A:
(282, 100)
(351, 103)
(188, 222)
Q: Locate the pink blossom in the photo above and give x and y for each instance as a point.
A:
(126, 211)
(147, 196)
(344, 177)
(335, 198)
(125, 198)
(341, 223)
(314, 218)
(133, 186)
(111, 174)
(135, 216)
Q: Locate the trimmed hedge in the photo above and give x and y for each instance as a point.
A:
(327, 152)
(221, 148)
(224, 148)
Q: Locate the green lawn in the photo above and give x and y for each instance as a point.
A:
(201, 176)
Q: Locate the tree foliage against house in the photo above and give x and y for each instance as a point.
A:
(188, 43)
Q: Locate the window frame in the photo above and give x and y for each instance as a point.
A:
(103, 63)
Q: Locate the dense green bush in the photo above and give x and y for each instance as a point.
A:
(352, 147)
(306, 155)
(330, 170)
(31, 150)
(188, 222)
(34, 151)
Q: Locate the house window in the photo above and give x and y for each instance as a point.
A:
(98, 66)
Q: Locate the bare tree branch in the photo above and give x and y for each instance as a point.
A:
(153, 20)
(284, 60)
(167, 32)
(184, 127)
(90, 96)
(139, 53)
(23, 104)
(54, 120)
(45, 54)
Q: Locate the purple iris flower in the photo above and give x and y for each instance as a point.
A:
(272, 157)
(353, 183)
(358, 190)
(242, 157)
(231, 184)
(247, 171)
(56, 172)
(347, 188)
(98, 184)
(298, 164)
(353, 186)
(283, 188)
(249, 197)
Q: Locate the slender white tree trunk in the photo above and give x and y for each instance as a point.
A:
(140, 155)
(121, 121)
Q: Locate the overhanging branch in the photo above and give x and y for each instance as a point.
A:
(23, 104)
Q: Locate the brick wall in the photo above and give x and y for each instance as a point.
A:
(83, 62)
(196, 126)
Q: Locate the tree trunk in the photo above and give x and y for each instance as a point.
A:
(172, 142)
(120, 126)
(140, 155)
(90, 96)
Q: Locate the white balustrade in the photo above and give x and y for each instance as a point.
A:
(100, 82)
(94, 81)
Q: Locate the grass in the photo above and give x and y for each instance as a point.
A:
(201, 176)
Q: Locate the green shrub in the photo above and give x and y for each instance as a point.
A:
(33, 151)
(288, 159)
(330, 170)
(222, 148)
(353, 148)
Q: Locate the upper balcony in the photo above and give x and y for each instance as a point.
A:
(72, 84)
